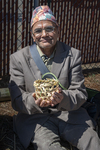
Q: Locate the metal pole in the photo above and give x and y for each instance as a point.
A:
(36, 3)
(1, 33)
(49, 2)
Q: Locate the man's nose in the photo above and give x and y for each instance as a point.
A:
(44, 33)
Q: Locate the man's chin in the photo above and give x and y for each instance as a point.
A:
(44, 46)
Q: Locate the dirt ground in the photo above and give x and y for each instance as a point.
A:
(7, 137)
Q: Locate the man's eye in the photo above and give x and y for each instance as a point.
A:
(38, 31)
(49, 29)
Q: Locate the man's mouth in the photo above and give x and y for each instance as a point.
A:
(45, 40)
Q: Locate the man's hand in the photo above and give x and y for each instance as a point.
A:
(56, 98)
(40, 102)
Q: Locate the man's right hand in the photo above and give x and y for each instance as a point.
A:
(40, 102)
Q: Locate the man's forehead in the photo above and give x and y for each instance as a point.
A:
(43, 23)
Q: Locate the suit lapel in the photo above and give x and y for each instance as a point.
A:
(35, 70)
(33, 67)
(62, 50)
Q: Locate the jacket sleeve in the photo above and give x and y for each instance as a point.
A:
(22, 101)
(75, 96)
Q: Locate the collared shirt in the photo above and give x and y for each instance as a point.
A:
(47, 60)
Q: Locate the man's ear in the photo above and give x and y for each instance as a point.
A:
(32, 36)
(31, 33)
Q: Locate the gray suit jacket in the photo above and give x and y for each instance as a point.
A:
(67, 68)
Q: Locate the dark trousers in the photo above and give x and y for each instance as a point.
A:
(49, 135)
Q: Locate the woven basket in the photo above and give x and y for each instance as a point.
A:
(44, 88)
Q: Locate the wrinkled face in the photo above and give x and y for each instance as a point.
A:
(45, 34)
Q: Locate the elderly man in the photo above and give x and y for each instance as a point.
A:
(46, 123)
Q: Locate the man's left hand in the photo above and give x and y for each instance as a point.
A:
(56, 97)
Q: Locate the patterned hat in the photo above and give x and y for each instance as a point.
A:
(42, 13)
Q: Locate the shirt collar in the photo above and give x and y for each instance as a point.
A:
(42, 54)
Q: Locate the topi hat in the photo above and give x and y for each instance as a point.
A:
(42, 13)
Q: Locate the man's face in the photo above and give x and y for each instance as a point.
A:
(45, 34)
